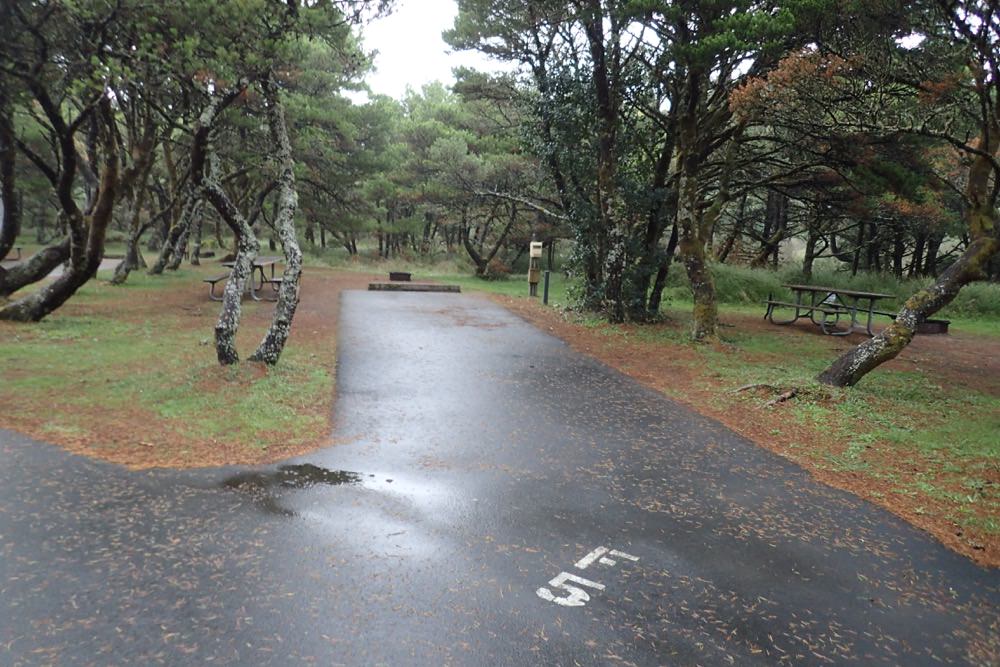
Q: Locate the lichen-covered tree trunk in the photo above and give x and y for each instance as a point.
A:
(247, 247)
(180, 246)
(706, 307)
(984, 231)
(131, 261)
(166, 258)
(132, 257)
(270, 347)
(656, 294)
(199, 223)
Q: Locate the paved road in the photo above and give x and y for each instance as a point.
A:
(481, 459)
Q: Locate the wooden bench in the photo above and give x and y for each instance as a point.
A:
(15, 258)
(212, 283)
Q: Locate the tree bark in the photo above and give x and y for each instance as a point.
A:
(737, 231)
(656, 295)
(247, 245)
(180, 247)
(171, 252)
(10, 224)
(270, 348)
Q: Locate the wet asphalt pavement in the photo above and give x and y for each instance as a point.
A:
(480, 460)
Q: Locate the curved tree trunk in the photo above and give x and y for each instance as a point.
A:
(173, 241)
(984, 229)
(180, 247)
(87, 231)
(196, 243)
(656, 295)
(270, 347)
(132, 257)
(858, 362)
(246, 243)
(33, 269)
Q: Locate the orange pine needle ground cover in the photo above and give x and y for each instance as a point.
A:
(955, 498)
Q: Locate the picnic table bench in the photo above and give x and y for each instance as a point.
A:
(16, 258)
(213, 281)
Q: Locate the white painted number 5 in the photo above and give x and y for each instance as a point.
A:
(575, 596)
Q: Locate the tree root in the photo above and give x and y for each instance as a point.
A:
(784, 395)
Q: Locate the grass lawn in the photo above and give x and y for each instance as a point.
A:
(918, 436)
(129, 374)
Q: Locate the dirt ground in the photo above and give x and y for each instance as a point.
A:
(962, 360)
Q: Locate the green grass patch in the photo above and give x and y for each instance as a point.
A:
(129, 350)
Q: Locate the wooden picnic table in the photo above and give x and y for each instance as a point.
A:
(258, 266)
(834, 304)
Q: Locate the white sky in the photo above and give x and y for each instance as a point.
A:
(410, 48)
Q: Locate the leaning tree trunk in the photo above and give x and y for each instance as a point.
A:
(858, 362)
(176, 237)
(36, 267)
(87, 232)
(180, 247)
(656, 294)
(271, 346)
(984, 229)
(247, 246)
(132, 257)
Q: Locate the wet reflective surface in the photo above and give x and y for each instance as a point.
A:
(488, 458)
(266, 487)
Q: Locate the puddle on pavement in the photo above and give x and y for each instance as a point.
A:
(265, 488)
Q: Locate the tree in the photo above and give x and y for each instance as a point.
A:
(947, 89)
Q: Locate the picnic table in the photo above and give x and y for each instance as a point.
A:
(257, 269)
(830, 303)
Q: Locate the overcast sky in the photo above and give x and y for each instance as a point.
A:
(410, 48)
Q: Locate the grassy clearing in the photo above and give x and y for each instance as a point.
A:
(129, 373)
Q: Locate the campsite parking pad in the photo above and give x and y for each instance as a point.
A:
(480, 462)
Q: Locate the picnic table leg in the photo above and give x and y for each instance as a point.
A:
(812, 312)
(769, 315)
(871, 307)
(253, 290)
(853, 309)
